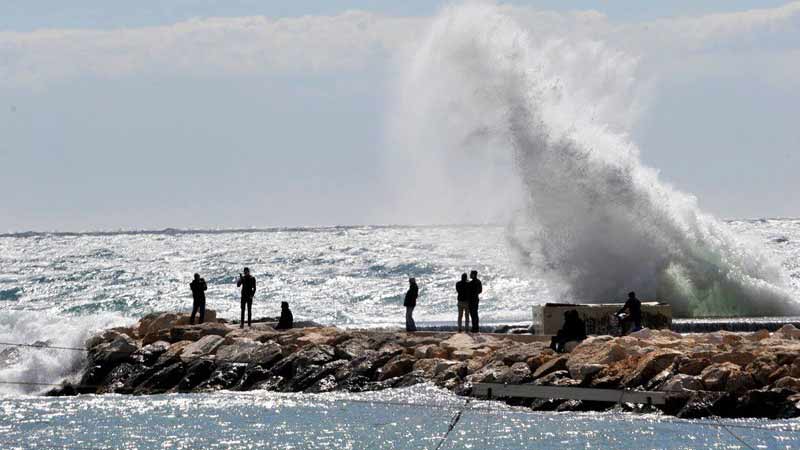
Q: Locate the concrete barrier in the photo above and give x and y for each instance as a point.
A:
(548, 318)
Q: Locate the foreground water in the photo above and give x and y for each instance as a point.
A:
(413, 418)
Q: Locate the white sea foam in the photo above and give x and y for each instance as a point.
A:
(40, 365)
(504, 122)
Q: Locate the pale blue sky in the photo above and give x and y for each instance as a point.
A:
(93, 139)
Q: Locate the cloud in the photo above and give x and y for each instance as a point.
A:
(246, 45)
(355, 40)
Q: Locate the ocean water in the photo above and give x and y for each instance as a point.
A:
(412, 418)
(59, 288)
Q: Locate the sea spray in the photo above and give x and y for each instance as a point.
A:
(501, 122)
(35, 368)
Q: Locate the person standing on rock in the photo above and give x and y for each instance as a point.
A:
(198, 287)
(475, 289)
(248, 285)
(410, 303)
(462, 288)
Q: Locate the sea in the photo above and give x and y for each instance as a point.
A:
(59, 288)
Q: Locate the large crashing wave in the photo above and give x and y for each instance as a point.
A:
(497, 117)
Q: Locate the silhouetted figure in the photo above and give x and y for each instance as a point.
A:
(287, 319)
(462, 288)
(248, 284)
(573, 330)
(634, 308)
(410, 303)
(198, 287)
(475, 289)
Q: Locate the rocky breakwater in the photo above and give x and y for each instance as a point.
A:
(723, 374)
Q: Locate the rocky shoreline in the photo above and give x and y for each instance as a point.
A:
(706, 374)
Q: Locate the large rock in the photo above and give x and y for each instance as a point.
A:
(682, 383)
(650, 365)
(316, 355)
(495, 372)
(163, 380)
(788, 331)
(351, 348)
(397, 366)
(204, 347)
(197, 372)
(149, 354)
(554, 365)
(518, 353)
(225, 376)
(117, 350)
(195, 332)
(592, 353)
(249, 351)
(769, 403)
(691, 365)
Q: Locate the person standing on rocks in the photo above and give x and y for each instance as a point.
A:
(248, 285)
(475, 289)
(410, 303)
(198, 287)
(634, 308)
(462, 288)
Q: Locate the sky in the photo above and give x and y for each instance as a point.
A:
(244, 113)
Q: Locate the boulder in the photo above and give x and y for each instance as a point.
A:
(397, 366)
(593, 353)
(691, 366)
(311, 355)
(704, 404)
(715, 376)
(518, 353)
(117, 350)
(650, 365)
(254, 374)
(430, 351)
(756, 336)
(196, 332)
(494, 372)
(149, 354)
(351, 348)
(554, 365)
(682, 383)
(769, 403)
(791, 383)
(518, 373)
(788, 331)
(225, 376)
(175, 350)
(320, 337)
(203, 347)
(762, 368)
(162, 380)
(306, 377)
(245, 350)
(367, 364)
(197, 371)
(103, 337)
(739, 358)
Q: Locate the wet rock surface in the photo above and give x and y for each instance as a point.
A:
(705, 374)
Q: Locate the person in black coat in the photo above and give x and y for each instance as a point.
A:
(634, 308)
(287, 319)
(574, 329)
(462, 289)
(248, 284)
(475, 289)
(410, 303)
(198, 287)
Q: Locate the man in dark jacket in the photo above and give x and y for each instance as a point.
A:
(462, 288)
(410, 303)
(248, 285)
(287, 319)
(198, 287)
(574, 329)
(634, 308)
(475, 289)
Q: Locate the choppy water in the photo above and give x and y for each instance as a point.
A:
(59, 288)
(414, 418)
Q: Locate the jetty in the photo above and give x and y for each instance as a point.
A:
(691, 375)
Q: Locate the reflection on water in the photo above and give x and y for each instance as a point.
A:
(413, 418)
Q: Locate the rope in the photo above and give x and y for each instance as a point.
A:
(453, 424)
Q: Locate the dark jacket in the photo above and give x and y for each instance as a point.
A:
(248, 284)
(411, 296)
(634, 307)
(286, 321)
(462, 287)
(198, 288)
(475, 289)
(574, 329)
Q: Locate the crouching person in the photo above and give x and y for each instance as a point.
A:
(287, 319)
(573, 330)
